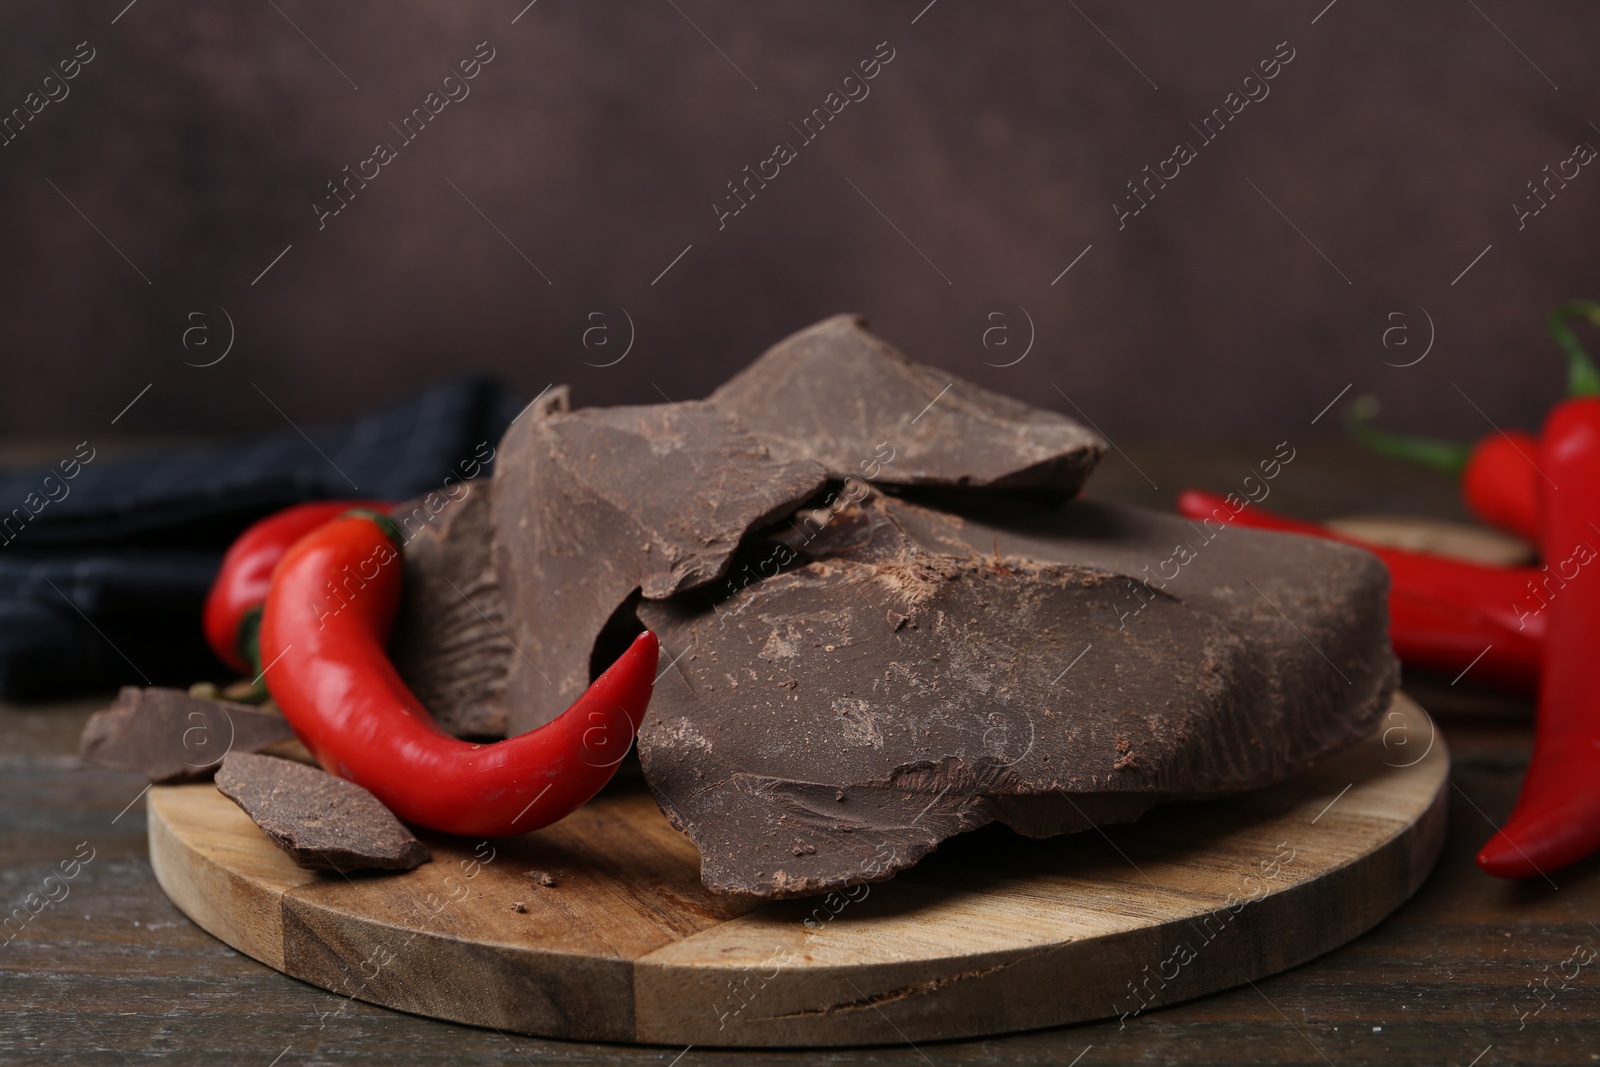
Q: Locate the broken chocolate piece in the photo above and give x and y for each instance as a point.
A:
(324, 823)
(838, 394)
(847, 685)
(449, 640)
(593, 505)
(596, 505)
(169, 736)
(927, 673)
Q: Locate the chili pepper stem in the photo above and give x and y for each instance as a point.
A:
(1582, 377)
(1446, 457)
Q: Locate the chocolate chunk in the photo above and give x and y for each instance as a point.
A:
(592, 506)
(324, 823)
(449, 640)
(852, 678)
(837, 394)
(169, 736)
(1028, 684)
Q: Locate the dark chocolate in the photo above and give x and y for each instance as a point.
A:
(450, 644)
(854, 676)
(324, 823)
(840, 395)
(169, 736)
(927, 673)
(592, 506)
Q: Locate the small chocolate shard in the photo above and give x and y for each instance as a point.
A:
(840, 395)
(169, 736)
(592, 506)
(542, 878)
(449, 644)
(324, 823)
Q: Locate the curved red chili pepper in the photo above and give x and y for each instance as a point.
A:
(1557, 817)
(241, 584)
(327, 618)
(1443, 613)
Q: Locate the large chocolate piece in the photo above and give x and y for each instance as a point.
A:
(849, 684)
(593, 505)
(926, 673)
(169, 736)
(324, 823)
(839, 395)
(597, 505)
(450, 643)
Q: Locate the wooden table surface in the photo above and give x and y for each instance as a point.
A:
(113, 973)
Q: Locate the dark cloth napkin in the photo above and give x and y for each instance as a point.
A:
(103, 575)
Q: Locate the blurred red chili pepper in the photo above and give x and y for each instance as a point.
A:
(1449, 638)
(1556, 820)
(233, 606)
(1499, 479)
(1497, 475)
(331, 676)
(1500, 484)
(1443, 613)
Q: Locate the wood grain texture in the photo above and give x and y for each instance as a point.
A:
(993, 934)
(1479, 544)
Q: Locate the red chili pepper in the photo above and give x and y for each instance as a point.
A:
(1497, 476)
(1557, 817)
(1499, 480)
(327, 668)
(1443, 613)
(233, 606)
(1450, 638)
(1500, 484)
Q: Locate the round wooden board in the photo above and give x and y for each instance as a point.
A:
(993, 933)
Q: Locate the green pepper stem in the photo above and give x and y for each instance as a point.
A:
(1582, 377)
(1447, 457)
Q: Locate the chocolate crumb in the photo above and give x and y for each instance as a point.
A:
(519, 907)
(541, 878)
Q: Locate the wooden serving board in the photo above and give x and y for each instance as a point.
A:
(993, 933)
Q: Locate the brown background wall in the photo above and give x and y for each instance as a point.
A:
(598, 138)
